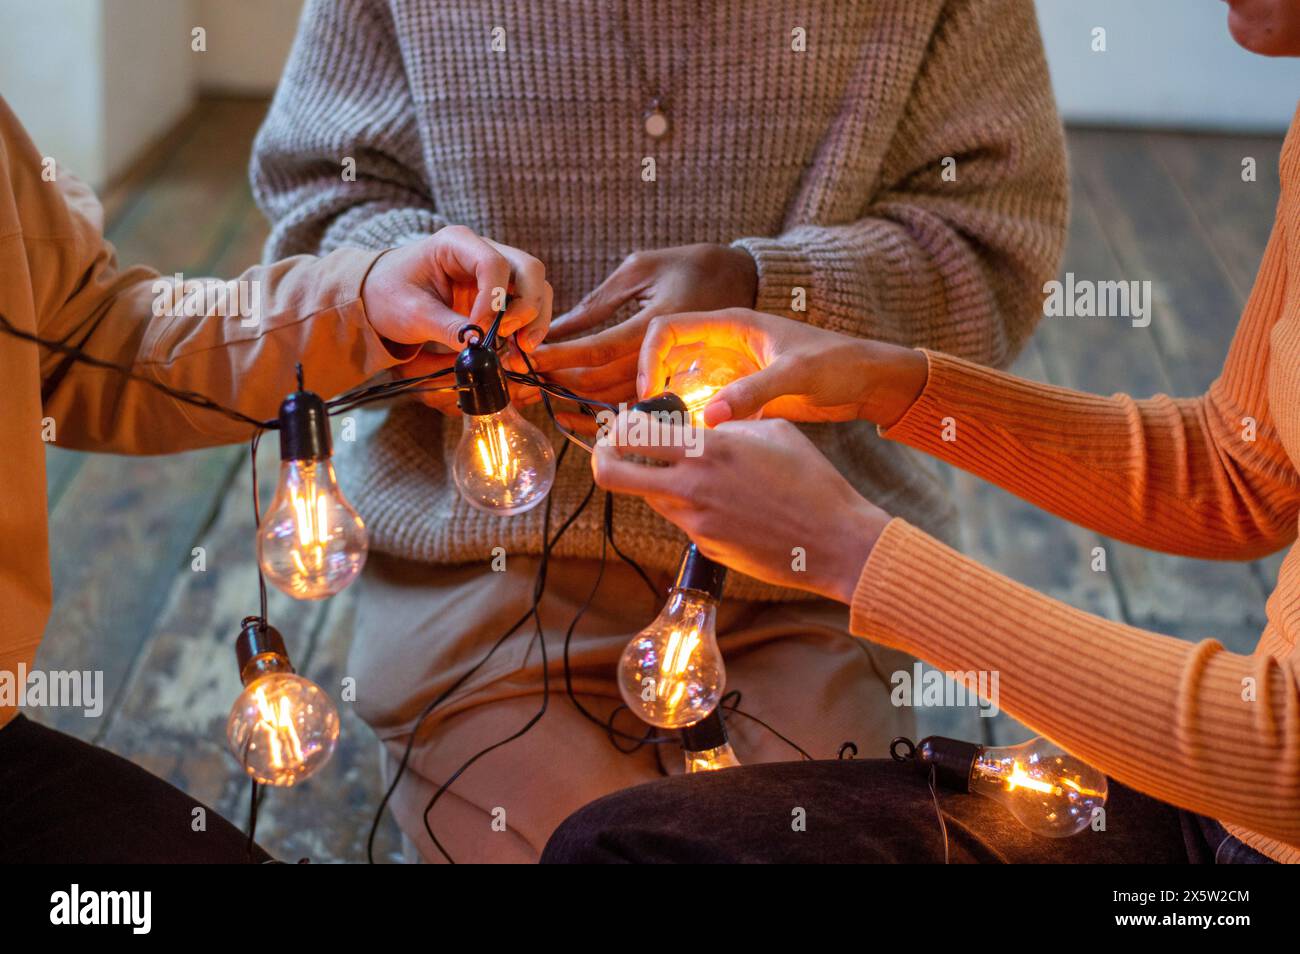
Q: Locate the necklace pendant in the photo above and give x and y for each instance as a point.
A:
(656, 123)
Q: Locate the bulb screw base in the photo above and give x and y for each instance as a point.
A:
(698, 572)
(709, 733)
(304, 427)
(951, 759)
(480, 382)
(260, 649)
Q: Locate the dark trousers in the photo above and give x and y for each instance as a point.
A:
(863, 811)
(62, 801)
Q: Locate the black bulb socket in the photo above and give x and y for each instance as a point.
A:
(709, 733)
(953, 761)
(304, 427)
(698, 572)
(480, 382)
(664, 403)
(260, 649)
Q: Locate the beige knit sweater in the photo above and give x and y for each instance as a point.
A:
(825, 163)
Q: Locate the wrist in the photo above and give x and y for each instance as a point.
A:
(894, 377)
(743, 272)
(861, 528)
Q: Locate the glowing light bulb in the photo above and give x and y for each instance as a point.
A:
(699, 373)
(311, 543)
(671, 674)
(503, 464)
(282, 728)
(1049, 791)
(706, 745)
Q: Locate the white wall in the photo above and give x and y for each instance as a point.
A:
(50, 66)
(149, 74)
(248, 41)
(1167, 63)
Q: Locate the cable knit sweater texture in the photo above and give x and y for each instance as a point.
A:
(826, 164)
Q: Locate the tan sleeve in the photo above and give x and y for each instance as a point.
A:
(237, 343)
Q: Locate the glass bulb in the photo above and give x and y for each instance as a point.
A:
(1049, 791)
(699, 373)
(503, 464)
(311, 543)
(282, 728)
(671, 674)
(710, 759)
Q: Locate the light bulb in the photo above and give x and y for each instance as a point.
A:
(1049, 791)
(699, 373)
(282, 728)
(706, 746)
(671, 674)
(503, 464)
(310, 542)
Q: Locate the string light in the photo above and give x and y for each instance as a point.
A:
(699, 373)
(282, 728)
(1049, 791)
(671, 674)
(706, 745)
(311, 543)
(503, 464)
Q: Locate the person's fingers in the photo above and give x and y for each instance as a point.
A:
(593, 351)
(530, 298)
(588, 381)
(662, 441)
(746, 397)
(465, 257)
(620, 476)
(578, 423)
(668, 333)
(600, 304)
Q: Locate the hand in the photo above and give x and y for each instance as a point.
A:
(409, 298)
(805, 373)
(754, 492)
(684, 278)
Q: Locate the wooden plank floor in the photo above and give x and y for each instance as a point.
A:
(1166, 207)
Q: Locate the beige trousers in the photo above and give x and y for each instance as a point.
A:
(420, 627)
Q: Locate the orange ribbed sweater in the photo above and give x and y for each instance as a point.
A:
(1189, 723)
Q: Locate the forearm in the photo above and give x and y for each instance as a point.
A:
(300, 311)
(1172, 719)
(1166, 474)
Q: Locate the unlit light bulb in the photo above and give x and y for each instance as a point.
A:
(671, 674)
(283, 727)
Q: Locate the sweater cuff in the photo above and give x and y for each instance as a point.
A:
(782, 267)
(877, 584)
(381, 353)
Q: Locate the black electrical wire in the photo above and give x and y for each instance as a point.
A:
(358, 397)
